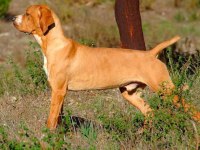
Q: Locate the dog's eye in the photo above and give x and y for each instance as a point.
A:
(27, 14)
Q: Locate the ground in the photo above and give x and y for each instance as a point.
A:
(86, 23)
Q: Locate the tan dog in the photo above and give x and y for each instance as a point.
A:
(72, 66)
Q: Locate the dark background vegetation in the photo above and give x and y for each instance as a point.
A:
(109, 121)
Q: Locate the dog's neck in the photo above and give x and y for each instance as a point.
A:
(54, 33)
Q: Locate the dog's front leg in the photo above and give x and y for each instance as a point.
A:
(59, 89)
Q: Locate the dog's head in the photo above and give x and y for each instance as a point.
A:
(36, 20)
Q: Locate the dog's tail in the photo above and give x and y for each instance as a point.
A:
(156, 50)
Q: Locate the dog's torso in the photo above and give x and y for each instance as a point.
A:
(98, 68)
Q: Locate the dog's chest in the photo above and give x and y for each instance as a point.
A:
(39, 40)
(45, 65)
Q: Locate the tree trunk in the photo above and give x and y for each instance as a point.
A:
(128, 19)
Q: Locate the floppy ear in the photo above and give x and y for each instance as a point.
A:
(46, 19)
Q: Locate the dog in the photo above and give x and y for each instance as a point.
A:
(72, 66)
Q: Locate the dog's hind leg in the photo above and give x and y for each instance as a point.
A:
(132, 94)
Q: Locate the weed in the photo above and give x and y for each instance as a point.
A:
(34, 67)
(55, 140)
(89, 132)
(194, 16)
(4, 4)
(179, 17)
(26, 140)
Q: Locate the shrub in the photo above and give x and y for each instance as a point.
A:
(4, 4)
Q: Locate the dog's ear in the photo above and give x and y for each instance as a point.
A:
(46, 19)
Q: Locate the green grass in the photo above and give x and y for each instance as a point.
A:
(115, 123)
(14, 79)
(4, 5)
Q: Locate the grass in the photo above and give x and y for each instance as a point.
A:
(4, 5)
(16, 79)
(167, 29)
(113, 123)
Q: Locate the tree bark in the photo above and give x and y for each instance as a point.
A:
(128, 19)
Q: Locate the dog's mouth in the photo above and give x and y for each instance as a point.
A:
(18, 27)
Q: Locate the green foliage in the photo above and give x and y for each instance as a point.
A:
(27, 141)
(34, 67)
(89, 133)
(31, 80)
(190, 16)
(183, 69)
(194, 16)
(179, 17)
(167, 121)
(4, 4)
(55, 140)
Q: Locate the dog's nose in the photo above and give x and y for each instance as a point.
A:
(14, 18)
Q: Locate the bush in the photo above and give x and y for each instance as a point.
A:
(4, 4)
